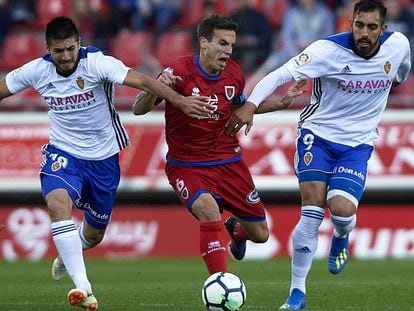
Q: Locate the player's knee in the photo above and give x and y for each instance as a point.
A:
(59, 205)
(341, 208)
(260, 236)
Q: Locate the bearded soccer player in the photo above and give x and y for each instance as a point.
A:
(352, 73)
(204, 164)
(80, 164)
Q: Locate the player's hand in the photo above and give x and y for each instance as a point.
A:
(196, 106)
(294, 91)
(240, 117)
(169, 79)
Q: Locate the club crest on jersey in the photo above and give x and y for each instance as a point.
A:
(301, 59)
(387, 67)
(80, 82)
(253, 197)
(308, 157)
(56, 166)
(230, 91)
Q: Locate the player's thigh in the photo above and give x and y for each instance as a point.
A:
(238, 193)
(194, 186)
(99, 191)
(313, 193)
(349, 176)
(314, 160)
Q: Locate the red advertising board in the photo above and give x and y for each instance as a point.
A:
(170, 231)
(268, 150)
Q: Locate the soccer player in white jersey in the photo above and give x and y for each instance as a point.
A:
(80, 164)
(352, 74)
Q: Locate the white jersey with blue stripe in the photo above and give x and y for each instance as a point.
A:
(349, 92)
(83, 119)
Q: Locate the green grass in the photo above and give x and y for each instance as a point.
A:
(175, 284)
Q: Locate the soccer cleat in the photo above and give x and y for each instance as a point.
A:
(80, 298)
(296, 301)
(339, 254)
(238, 249)
(58, 269)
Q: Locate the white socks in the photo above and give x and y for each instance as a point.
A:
(343, 225)
(304, 244)
(69, 246)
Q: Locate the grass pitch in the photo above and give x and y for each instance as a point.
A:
(175, 284)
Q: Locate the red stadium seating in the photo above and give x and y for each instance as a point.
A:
(19, 48)
(48, 9)
(131, 47)
(172, 45)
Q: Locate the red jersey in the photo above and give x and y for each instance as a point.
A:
(203, 142)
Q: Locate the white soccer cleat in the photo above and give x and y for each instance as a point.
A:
(80, 298)
(58, 269)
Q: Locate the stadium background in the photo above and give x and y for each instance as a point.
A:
(146, 205)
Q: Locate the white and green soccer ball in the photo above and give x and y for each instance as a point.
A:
(223, 291)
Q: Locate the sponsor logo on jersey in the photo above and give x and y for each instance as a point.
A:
(50, 86)
(73, 102)
(213, 100)
(80, 82)
(301, 59)
(230, 91)
(253, 197)
(308, 157)
(195, 91)
(387, 67)
(181, 188)
(346, 69)
(365, 86)
(347, 170)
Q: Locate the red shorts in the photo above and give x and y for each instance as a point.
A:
(231, 185)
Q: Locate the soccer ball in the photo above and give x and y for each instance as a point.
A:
(223, 291)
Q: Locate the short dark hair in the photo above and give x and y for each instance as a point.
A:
(369, 6)
(60, 28)
(207, 26)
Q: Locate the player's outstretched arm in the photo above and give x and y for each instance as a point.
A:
(4, 91)
(193, 106)
(145, 102)
(295, 90)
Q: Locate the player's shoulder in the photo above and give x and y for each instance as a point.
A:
(233, 66)
(183, 64)
(396, 36)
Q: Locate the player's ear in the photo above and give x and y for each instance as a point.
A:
(384, 28)
(203, 42)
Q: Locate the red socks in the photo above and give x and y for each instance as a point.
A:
(212, 246)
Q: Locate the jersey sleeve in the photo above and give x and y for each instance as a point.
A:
(405, 67)
(314, 61)
(108, 68)
(23, 77)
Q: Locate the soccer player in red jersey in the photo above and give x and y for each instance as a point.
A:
(204, 164)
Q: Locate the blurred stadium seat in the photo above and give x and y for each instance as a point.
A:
(19, 48)
(275, 10)
(48, 9)
(172, 45)
(131, 47)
